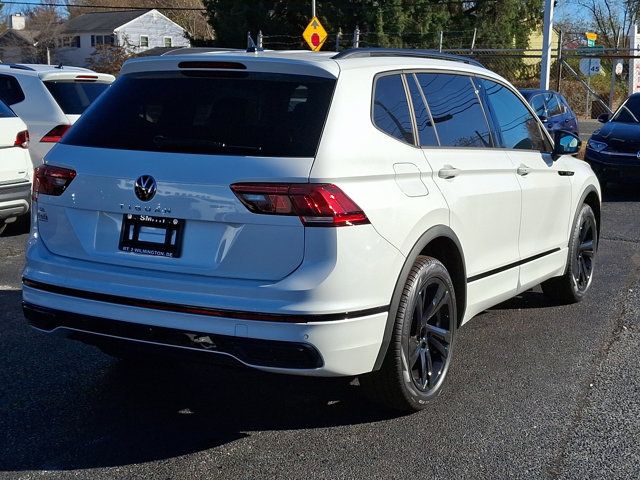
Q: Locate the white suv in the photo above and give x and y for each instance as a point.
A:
(49, 99)
(15, 167)
(313, 214)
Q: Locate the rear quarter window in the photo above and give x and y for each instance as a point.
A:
(209, 112)
(74, 97)
(10, 90)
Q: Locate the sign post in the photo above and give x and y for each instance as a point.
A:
(634, 61)
(546, 44)
(315, 35)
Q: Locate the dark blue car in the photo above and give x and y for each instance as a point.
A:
(552, 108)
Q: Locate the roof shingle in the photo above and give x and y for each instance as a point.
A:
(101, 21)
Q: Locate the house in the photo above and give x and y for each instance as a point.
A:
(17, 44)
(134, 30)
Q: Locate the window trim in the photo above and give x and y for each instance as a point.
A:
(164, 42)
(140, 41)
(401, 74)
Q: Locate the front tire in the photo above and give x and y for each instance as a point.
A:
(418, 358)
(574, 284)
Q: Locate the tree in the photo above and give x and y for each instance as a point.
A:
(384, 22)
(612, 20)
(107, 59)
(47, 22)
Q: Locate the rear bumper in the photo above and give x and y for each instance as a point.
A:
(335, 347)
(15, 199)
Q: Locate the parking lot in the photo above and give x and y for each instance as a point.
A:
(536, 391)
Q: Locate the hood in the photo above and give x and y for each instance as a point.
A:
(621, 137)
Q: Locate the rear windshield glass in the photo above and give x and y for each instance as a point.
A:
(75, 97)
(5, 111)
(230, 113)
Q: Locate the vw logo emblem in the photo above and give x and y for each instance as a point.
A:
(638, 155)
(145, 187)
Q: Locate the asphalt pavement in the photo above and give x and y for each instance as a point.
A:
(536, 390)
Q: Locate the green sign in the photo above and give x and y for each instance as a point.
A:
(591, 51)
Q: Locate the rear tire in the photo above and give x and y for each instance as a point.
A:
(418, 358)
(574, 284)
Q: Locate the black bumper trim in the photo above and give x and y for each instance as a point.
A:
(250, 351)
(196, 310)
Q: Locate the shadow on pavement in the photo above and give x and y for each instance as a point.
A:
(67, 406)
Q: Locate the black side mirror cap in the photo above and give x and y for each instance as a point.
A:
(543, 118)
(565, 143)
(604, 117)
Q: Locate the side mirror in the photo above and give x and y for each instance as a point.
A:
(604, 118)
(565, 143)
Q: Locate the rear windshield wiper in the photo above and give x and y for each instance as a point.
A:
(200, 144)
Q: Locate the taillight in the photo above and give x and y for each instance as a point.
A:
(50, 180)
(22, 139)
(55, 134)
(317, 205)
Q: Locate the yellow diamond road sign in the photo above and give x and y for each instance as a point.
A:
(315, 34)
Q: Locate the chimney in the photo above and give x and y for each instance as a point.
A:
(17, 21)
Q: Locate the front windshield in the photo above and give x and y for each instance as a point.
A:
(629, 112)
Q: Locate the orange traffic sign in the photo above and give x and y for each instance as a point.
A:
(315, 34)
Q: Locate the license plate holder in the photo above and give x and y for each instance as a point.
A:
(154, 236)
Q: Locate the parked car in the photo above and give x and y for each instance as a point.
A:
(613, 151)
(553, 109)
(15, 167)
(302, 213)
(49, 99)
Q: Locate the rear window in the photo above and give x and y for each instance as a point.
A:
(5, 112)
(74, 97)
(230, 113)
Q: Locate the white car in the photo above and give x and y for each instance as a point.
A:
(49, 99)
(15, 167)
(303, 213)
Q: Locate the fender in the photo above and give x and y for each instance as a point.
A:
(430, 235)
(587, 191)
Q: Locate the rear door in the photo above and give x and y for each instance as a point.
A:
(478, 182)
(546, 185)
(192, 134)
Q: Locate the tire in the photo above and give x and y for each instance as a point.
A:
(419, 354)
(583, 245)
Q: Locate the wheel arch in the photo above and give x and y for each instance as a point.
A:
(591, 198)
(439, 242)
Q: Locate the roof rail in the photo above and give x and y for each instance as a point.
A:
(403, 52)
(19, 67)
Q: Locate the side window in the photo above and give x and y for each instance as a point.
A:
(10, 90)
(456, 110)
(554, 107)
(391, 108)
(5, 112)
(538, 104)
(426, 132)
(517, 126)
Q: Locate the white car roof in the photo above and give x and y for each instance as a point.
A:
(319, 61)
(50, 72)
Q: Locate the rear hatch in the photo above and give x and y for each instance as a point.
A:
(14, 166)
(192, 134)
(75, 91)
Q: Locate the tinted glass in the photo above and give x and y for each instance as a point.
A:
(517, 126)
(75, 97)
(230, 113)
(391, 109)
(10, 91)
(5, 111)
(629, 112)
(538, 104)
(426, 132)
(456, 110)
(554, 107)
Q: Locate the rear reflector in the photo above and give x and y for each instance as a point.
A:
(55, 134)
(317, 205)
(22, 139)
(50, 180)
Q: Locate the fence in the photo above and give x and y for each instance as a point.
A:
(588, 97)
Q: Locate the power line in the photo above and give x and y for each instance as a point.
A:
(65, 5)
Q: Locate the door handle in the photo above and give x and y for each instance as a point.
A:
(448, 172)
(523, 170)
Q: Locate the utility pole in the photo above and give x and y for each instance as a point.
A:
(546, 44)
